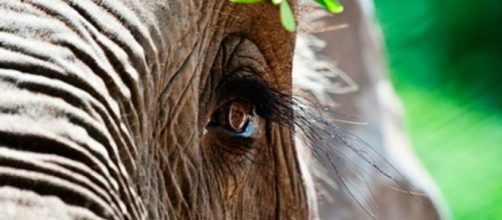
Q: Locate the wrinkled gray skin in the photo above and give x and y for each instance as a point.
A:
(104, 104)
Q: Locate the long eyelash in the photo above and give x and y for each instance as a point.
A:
(328, 141)
(270, 103)
(325, 139)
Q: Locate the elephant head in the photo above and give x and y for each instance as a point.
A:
(153, 109)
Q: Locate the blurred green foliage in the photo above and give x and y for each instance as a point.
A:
(445, 60)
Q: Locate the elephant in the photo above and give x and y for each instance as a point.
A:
(117, 110)
(150, 109)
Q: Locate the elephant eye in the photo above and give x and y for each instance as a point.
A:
(238, 115)
(234, 116)
(245, 104)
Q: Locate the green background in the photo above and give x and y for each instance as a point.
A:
(445, 60)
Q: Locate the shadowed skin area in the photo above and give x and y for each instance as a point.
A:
(105, 107)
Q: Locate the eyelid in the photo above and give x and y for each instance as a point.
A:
(248, 130)
(246, 133)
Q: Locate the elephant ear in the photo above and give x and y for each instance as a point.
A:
(317, 75)
(338, 160)
(312, 73)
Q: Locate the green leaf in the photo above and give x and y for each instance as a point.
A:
(276, 2)
(332, 6)
(287, 18)
(245, 1)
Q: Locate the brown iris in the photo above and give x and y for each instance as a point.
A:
(238, 115)
(234, 115)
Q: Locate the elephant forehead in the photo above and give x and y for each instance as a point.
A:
(196, 29)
